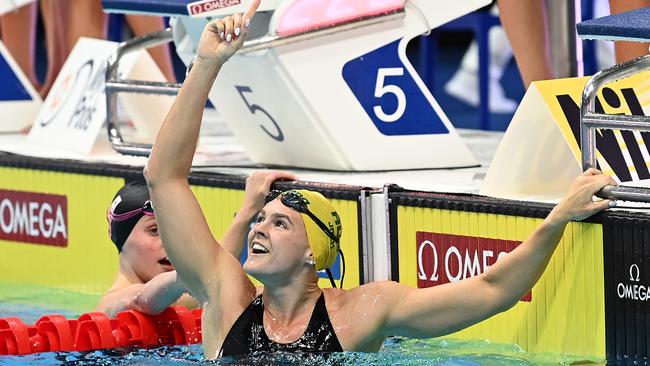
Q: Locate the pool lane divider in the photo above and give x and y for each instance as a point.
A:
(176, 325)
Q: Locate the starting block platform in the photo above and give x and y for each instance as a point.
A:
(629, 26)
(358, 103)
(601, 121)
(632, 26)
(594, 124)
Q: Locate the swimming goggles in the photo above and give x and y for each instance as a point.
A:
(297, 202)
(146, 209)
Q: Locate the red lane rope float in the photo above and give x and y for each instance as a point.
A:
(91, 331)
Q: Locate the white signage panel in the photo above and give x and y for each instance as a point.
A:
(539, 155)
(75, 110)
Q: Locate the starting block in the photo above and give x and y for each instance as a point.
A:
(329, 85)
(631, 26)
(577, 124)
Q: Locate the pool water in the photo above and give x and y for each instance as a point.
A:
(31, 302)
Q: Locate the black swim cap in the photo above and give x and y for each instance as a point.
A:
(129, 200)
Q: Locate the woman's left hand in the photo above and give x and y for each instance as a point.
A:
(578, 203)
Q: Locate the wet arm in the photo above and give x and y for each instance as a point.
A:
(445, 309)
(156, 295)
(184, 231)
(150, 298)
(235, 237)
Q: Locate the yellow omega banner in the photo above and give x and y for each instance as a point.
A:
(565, 311)
(87, 261)
(53, 228)
(539, 154)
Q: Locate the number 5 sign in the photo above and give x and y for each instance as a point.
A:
(347, 101)
(398, 106)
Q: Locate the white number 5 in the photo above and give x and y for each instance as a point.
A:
(381, 90)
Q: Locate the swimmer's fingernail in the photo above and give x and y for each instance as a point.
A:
(237, 31)
(229, 37)
(247, 23)
(222, 35)
(612, 203)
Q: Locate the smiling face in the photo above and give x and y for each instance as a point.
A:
(277, 244)
(143, 251)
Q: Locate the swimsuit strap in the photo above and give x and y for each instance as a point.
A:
(247, 335)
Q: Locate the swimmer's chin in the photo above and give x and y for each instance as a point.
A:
(253, 269)
(249, 268)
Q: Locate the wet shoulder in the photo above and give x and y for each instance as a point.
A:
(373, 293)
(356, 316)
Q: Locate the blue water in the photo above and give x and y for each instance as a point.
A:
(31, 302)
(396, 351)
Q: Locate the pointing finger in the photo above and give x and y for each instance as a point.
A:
(252, 9)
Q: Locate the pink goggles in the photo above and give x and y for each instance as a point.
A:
(146, 209)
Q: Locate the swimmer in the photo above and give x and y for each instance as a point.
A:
(146, 280)
(298, 233)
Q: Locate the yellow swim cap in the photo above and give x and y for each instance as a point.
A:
(324, 248)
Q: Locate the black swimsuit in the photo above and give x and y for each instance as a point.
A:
(247, 335)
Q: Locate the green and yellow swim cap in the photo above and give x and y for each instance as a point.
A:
(324, 248)
(324, 245)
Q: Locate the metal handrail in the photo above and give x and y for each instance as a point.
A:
(590, 121)
(115, 85)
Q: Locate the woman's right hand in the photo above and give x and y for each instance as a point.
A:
(258, 185)
(221, 38)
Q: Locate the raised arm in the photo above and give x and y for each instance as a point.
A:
(448, 308)
(258, 186)
(188, 242)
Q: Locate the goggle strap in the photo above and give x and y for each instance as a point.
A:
(124, 216)
(322, 226)
(343, 269)
(329, 274)
(272, 195)
(129, 214)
